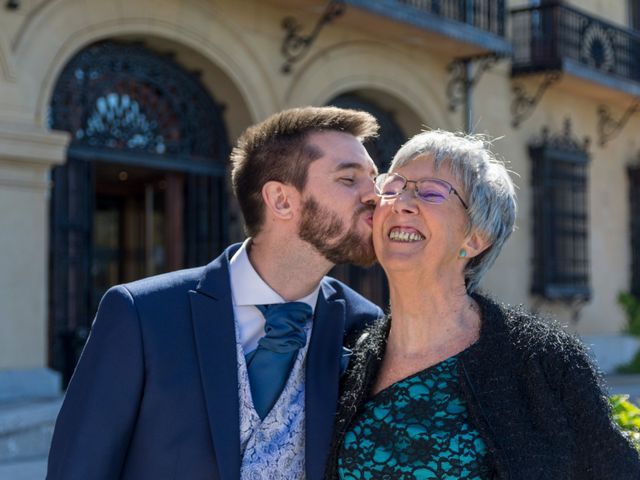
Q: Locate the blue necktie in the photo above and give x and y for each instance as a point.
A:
(269, 364)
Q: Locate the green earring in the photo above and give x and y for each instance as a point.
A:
(463, 253)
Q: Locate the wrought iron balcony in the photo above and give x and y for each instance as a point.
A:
(555, 37)
(477, 22)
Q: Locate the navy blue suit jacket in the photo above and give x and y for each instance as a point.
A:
(155, 394)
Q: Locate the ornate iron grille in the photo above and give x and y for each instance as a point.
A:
(487, 15)
(70, 264)
(634, 197)
(123, 103)
(207, 218)
(561, 222)
(118, 96)
(545, 36)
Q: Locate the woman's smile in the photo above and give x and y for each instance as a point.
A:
(405, 234)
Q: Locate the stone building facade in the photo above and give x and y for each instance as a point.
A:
(116, 119)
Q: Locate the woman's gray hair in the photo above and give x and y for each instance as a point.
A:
(487, 185)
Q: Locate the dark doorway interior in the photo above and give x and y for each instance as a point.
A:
(137, 225)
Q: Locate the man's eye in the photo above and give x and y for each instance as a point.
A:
(347, 180)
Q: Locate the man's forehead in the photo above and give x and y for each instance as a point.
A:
(339, 150)
(324, 138)
(332, 162)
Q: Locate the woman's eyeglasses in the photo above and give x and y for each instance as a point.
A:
(430, 190)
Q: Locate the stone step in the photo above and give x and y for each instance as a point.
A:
(26, 428)
(28, 384)
(33, 469)
(610, 351)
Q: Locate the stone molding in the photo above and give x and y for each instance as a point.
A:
(26, 145)
(7, 68)
(58, 31)
(377, 65)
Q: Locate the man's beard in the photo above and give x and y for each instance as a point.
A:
(323, 229)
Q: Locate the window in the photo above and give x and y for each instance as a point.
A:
(560, 213)
(634, 24)
(634, 212)
(634, 14)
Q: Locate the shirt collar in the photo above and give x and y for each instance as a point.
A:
(248, 288)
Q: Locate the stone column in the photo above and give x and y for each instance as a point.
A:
(27, 155)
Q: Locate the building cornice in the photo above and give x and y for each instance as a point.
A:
(26, 145)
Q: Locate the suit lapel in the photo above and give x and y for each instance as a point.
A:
(214, 328)
(322, 375)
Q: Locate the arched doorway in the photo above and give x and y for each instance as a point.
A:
(371, 282)
(143, 189)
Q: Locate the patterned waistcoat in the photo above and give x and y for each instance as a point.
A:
(273, 448)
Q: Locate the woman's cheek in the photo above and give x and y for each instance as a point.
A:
(382, 208)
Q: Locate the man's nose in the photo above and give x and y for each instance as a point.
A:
(368, 195)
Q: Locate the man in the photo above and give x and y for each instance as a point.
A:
(207, 373)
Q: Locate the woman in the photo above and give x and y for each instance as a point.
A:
(452, 385)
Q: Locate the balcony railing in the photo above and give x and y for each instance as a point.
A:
(480, 23)
(487, 15)
(551, 37)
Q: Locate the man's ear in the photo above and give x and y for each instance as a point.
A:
(280, 199)
(475, 244)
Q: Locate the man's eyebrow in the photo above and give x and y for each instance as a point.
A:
(348, 165)
(356, 166)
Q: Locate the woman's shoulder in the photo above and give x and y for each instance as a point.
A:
(532, 334)
(368, 345)
(529, 341)
(374, 334)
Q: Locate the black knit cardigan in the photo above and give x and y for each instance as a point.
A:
(532, 392)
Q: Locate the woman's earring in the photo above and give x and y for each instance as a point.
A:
(463, 253)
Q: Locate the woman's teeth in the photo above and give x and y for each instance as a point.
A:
(400, 236)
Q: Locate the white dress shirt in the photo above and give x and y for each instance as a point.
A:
(248, 289)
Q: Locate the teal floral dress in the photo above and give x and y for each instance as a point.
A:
(417, 428)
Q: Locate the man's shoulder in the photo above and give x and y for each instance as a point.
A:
(182, 280)
(166, 282)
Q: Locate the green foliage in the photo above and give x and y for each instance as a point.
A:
(631, 306)
(627, 415)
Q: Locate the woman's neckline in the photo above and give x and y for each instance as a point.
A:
(418, 373)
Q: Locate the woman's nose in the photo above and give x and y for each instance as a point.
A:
(406, 202)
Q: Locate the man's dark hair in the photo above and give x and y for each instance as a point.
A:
(276, 150)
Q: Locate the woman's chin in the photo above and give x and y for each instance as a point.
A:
(398, 262)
